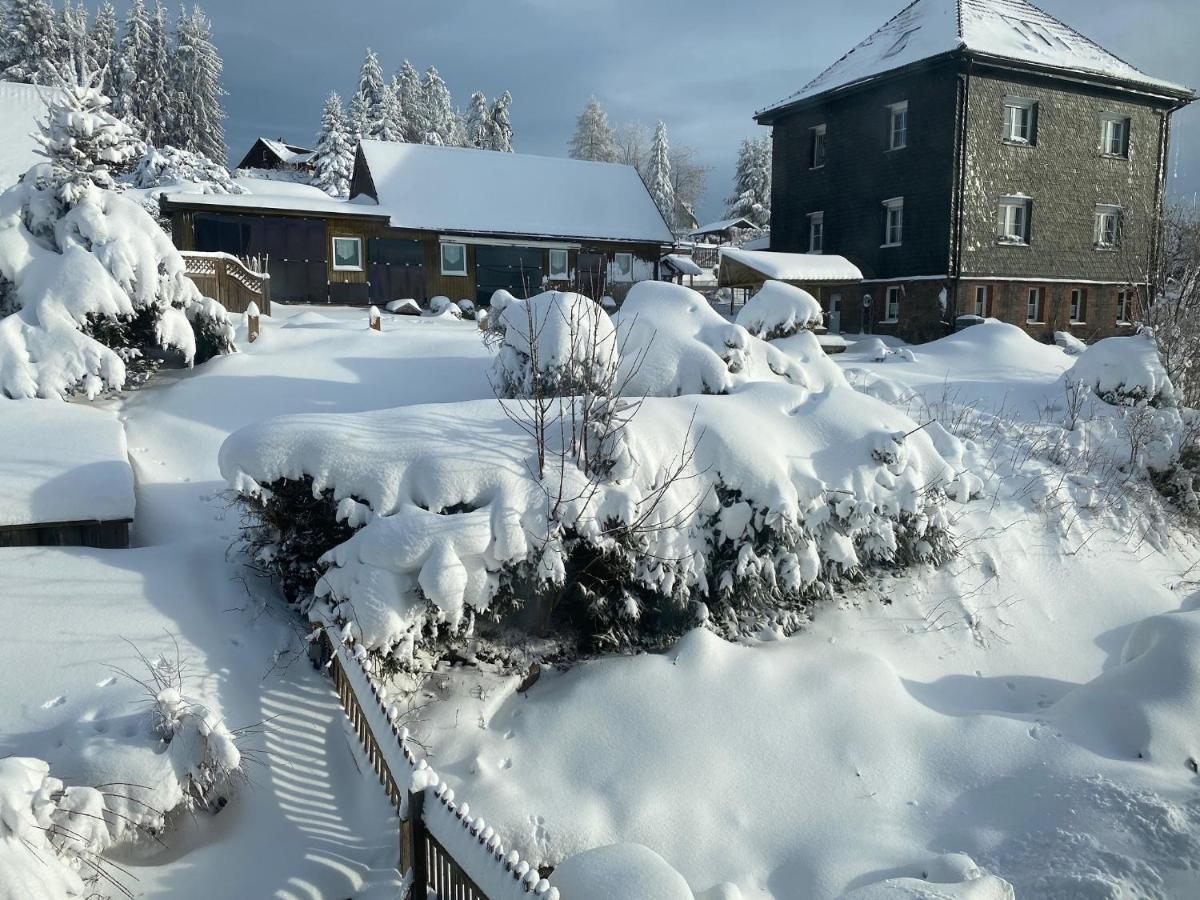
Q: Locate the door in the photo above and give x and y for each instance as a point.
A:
(396, 270)
(517, 270)
(835, 313)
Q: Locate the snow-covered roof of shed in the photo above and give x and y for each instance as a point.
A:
(274, 195)
(455, 189)
(684, 265)
(22, 106)
(288, 153)
(1014, 30)
(723, 225)
(811, 267)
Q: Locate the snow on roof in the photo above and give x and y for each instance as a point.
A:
(813, 267)
(21, 107)
(289, 153)
(62, 462)
(1009, 29)
(723, 225)
(684, 265)
(276, 195)
(457, 189)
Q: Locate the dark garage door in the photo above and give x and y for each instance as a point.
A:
(517, 270)
(396, 270)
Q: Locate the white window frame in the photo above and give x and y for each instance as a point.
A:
(816, 233)
(358, 243)
(983, 296)
(618, 276)
(1033, 306)
(1014, 124)
(1124, 307)
(442, 254)
(1114, 129)
(1078, 306)
(897, 125)
(894, 206)
(1106, 213)
(1012, 220)
(819, 133)
(891, 304)
(559, 273)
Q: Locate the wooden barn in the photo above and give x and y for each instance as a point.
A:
(425, 221)
(833, 280)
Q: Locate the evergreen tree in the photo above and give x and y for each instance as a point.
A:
(658, 175)
(391, 125)
(356, 119)
(371, 89)
(32, 47)
(156, 82)
(479, 123)
(439, 110)
(412, 101)
(751, 196)
(102, 48)
(501, 130)
(74, 45)
(130, 100)
(593, 136)
(334, 160)
(196, 106)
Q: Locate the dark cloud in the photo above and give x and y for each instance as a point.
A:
(701, 66)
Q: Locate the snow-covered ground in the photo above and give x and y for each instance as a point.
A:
(1032, 704)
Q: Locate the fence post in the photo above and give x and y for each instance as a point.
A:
(252, 324)
(412, 844)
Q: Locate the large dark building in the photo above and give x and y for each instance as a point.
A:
(977, 158)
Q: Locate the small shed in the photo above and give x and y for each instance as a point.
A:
(725, 231)
(277, 154)
(675, 266)
(65, 478)
(825, 277)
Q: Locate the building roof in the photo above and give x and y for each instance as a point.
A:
(1009, 30)
(723, 225)
(461, 190)
(270, 195)
(289, 153)
(684, 265)
(22, 106)
(811, 268)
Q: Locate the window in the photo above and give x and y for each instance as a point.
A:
(816, 232)
(347, 254)
(1078, 305)
(893, 230)
(898, 127)
(454, 259)
(818, 147)
(559, 270)
(983, 300)
(893, 304)
(1124, 307)
(1012, 220)
(1114, 136)
(1019, 117)
(622, 267)
(1034, 312)
(1108, 226)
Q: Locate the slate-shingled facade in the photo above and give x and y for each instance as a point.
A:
(965, 148)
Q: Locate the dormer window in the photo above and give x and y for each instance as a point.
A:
(898, 126)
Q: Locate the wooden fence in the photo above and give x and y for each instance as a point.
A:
(426, 827)
(232, 282)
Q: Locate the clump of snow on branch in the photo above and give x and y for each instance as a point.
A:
(780, 310)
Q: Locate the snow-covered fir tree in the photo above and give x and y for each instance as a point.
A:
(31, 44)
(391, 123)
(412, 100)
(356, 118)
(593, 139)
(371, 90)
(501, 130)
(103, 49)
(74, 46)
(196, 111)
(159, 84)
(439, 110)
(130, 99)
(334, 162)
(478, 122)
(658, 175)
(752, 183)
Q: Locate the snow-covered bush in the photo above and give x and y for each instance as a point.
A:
(443, 307)
(172, 166)
(1125, 371)
(1071, 345)
(780, 310)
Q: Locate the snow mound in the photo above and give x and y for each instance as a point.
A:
(780, 310)
(1071, 345)
(443, 307)
(951, 877)
(404, 307)
(628, 871)
(1123, 370)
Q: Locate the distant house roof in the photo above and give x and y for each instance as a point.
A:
(266, 153)
(723, 225)
(1009, 30)
(22, 107)
(455, 189)
(740, 268)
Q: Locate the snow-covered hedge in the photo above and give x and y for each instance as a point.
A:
(1125, 370)
(780, 310)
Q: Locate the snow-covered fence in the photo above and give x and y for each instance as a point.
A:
(454, 855)
(232, 282)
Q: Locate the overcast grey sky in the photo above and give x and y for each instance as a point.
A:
(703, 66)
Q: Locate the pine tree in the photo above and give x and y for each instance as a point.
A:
(74, 46)
(479, 123)
(391, 124)
(129, 100)
(334, 161)
(751, 196)
(658, 175)
(196, 89)
(156, 82)
(412, 101)
(32, 48)
(356, 118)
(501, 130)
(439, 110)
(371, 89)
(593, 136)
(102, 48)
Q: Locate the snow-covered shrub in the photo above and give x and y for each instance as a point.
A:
(780, 310)
(444, 307)
(172, 166)
(1071, 345)
(1125, 371)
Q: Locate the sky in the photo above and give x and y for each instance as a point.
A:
(703, 67)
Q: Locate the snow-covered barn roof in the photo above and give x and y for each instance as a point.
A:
(22, 106)
(723, 225)
(455, 189)
(684, 265)
(811, 268)
(1010, 30)
(272, 195)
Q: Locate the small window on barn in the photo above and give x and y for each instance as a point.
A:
(347, 254)
(1020, 117)
(454, 259)
(558, 266)
(622, 268)
(818, 147)
(898, 126)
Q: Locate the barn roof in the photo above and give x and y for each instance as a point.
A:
(455, 189)
(1009, 30)
(22, 106)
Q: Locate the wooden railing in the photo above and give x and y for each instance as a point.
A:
(234, 283)
(429, 816)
